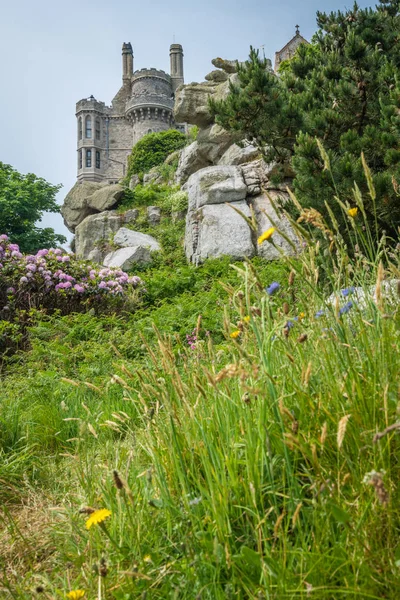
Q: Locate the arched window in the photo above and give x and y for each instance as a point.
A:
(98, 129)
(80, 159)
(88, 127)
(149, 131)
(97, 159)
(88, 158)
(80, 128)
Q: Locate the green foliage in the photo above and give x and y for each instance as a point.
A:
(247, 462)
(153, 149)
(343, 89)
(23, 200)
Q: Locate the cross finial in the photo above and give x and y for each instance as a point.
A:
(297, 30)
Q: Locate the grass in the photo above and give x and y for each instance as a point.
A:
(245, 466)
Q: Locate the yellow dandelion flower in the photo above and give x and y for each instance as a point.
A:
(302, 316)
(147, 559)
(246, 319)
(266, 235)
(352, 212)
(97, 517)
(235, 334)
(75, 594)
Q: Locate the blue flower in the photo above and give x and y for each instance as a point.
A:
(271, 289)
(347, 291)
(319, 314)
(345, 309)
(289, 324)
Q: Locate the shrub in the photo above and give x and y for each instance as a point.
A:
(53, 281)
(153, 149)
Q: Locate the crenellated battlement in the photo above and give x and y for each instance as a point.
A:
(144, 104)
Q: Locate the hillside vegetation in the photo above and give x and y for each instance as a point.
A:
(236, 437)
(223, 431)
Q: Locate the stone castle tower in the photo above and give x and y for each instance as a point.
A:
(144, 104)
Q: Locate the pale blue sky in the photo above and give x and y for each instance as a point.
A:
(54, 53)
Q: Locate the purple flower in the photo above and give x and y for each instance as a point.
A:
(102, 285)
(4, 237)
(347, 291)
(16, 254)
(273, 288)
(289, 324)
(10, 290)
(320, 313)
(66, 258)
(67, 285)
(43, 252)
(23, 280)
(345, 309)
(31, 268)
(79, 288)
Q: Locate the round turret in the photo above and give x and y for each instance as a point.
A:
(150, 107)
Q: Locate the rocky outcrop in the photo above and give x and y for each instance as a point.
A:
(191, 160)
(217, 230)
(88, 198)
(154, 215)
(215, 185)
(126, 238)
(134, 248)
(95, 230)
(191, 103)
(75, 208)
(218, 199)
(126, 258)
(106, 197)
(217, 76)
(235, 155)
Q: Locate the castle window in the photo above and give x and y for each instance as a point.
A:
(150, 131)
(97, 129)
(80, 128)
(88, 127)
(97, 159)
(88, 158)
(80, 159)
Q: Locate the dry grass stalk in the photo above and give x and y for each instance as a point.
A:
(324, 434)
(278, 524)
(382, 434)
(342, 430)
(296, 514)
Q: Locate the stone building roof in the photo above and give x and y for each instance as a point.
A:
(289, 49)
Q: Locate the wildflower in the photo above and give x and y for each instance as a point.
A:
(235, 334)
(97, 517)
(23, 280)
(271, 289)
(352, 212)
(10, 290)
(347, 291)
(345, 309)
(319, 314)
(75, 594)
(289, 325)
(266, 235)
(246, 319)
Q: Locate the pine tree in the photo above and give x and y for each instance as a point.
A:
(343, 89)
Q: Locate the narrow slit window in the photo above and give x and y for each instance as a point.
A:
(88, 127)
(80, 159)
(88, 158)
(97, 159)
(98, 130)
(80, 128)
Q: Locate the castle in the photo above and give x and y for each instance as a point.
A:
(144, 104)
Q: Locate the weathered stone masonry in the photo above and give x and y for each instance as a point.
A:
(144, 104)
